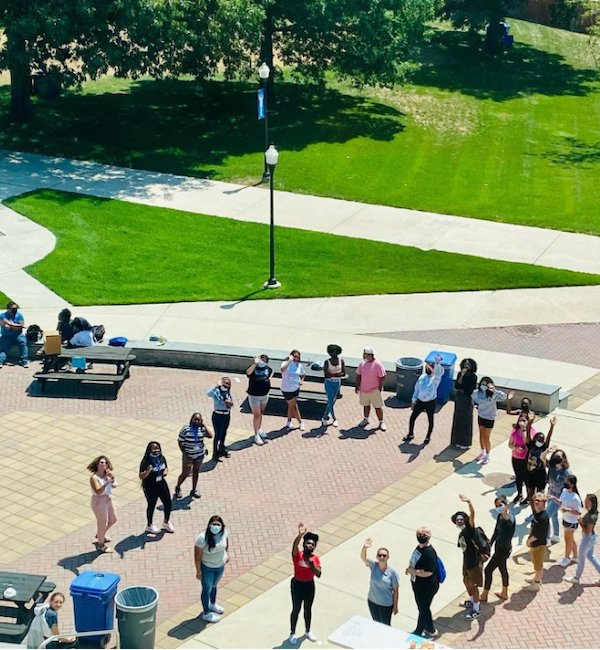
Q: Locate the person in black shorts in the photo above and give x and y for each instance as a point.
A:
(502, 538)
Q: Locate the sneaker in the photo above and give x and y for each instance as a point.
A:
(258, 440)
(407, 438)
(573, 580)
(103, 548)
(335, 424)
(517, 499)
(293, 639)
(466, 604)
(261, 433)
(461, 446)
(177, 494)
(302, 427)
(555, 539)
(472, 615)
(216, 608)
(486, 460)
(534, 586)
(363, 423)
(153, 530)
(24, 363)
(430, 634)
(168, 527)
(288, 424)
(382, 426)
(311, 636)
(195, 494)
(211, 617)
(325, 421)
(427, 440)
(565, 562)
(481, 456)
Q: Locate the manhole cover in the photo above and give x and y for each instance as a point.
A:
(498, 480)
(528, 330)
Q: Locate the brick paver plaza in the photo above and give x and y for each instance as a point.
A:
(339, 482)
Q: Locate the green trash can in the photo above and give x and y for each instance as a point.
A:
(136, 615)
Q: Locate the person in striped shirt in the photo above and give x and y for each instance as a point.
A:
(191, 443)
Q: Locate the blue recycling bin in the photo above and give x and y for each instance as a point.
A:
(93, 594)
(448, 361)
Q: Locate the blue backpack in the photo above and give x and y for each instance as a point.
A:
(441, 570)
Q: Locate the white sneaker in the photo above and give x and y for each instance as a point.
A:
(211, 617)
(481, 456)
(288, 424)
(311, 636)
(258, 440)
(554, 539)
(325, 421)
(168, 527)
(293, 639)
(363, 423)
(382, 426)
(216, 608)
(261, 433)
(574, 580)
(153, 530)
(565, 561)
(335, 424)
(486, 460)
(302, 427)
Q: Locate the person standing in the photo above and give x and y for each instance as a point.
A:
(502, 538)
(191, 442)
(11, 331)
(210, 557)
(259, 385)
(102, 482)
(383, 585)
(292, 378)
(486, 399)
(462, 420)
(588, 539)
(221, 416)
(473, 558)
(557, 464)
(537, 444)
(517, 443)
(370, 379)
(570, 505)
(306, 567)
(153, 472)
(424, 397)
(536, 541)
(424, 576)
(334, 369)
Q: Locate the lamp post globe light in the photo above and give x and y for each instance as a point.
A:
(264, 72)
(271, 160)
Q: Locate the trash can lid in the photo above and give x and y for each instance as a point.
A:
(94, 582)
(409, 362)
(136, 599)
(448, 358)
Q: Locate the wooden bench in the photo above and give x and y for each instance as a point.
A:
(81, 377)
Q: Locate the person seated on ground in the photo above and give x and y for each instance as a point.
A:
(12, 324)
(84, 335)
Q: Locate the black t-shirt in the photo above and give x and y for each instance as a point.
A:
(504, 531)
(467, 384)
(540, 527)
(466, 541)
(534, 460)
(426, 560)
(159, 465)
(66, 331)
(259, 381)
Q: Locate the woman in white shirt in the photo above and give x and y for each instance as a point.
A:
(210, 557)
(83, 334)
(102, 482)
(292, 376)
(570, 505)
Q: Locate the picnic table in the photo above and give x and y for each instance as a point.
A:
(28, 588)
(53, 366)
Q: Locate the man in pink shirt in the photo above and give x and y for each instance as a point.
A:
(370, 377)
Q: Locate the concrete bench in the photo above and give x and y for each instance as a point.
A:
(81, 377)
(304, 395)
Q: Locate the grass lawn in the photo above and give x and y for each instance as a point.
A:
(112, 252)
(3, 301)
(514, 140)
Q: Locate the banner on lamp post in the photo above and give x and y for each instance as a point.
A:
(261, 104)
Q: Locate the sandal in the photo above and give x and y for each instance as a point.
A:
(501, 596)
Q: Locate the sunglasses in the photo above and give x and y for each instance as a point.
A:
(381, 555)
(539, 500)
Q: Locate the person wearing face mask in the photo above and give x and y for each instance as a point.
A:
(191, 443)
(502, 538)
(11, 331)
(537, 444)
(210, 557)
(486, 400)
(588, 539)
(153, 472)
(423, 398)
(536, 542)
(221, 417)
(570, 505)
(524, 408)
(370, 379)
(102, 482)
(259, 385)
(424, 576)
(517, 443)
(462, 421)
(306, 567)
(383, 585)
(557, 464)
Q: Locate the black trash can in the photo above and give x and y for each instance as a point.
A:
(136, 615)
(408, 371)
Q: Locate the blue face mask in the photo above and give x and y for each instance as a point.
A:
(499, 510)
(215, 529)
(260, 364)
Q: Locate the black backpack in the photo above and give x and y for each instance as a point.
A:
(481, 541)
(99, 331)
(34, 333)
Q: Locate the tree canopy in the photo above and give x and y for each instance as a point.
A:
(478, 14)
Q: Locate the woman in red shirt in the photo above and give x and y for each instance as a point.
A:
(306, 567)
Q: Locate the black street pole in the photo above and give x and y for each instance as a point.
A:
(272, 283)
(266, 174)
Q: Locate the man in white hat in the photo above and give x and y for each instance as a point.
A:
(370, 377)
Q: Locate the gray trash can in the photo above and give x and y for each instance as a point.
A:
(408, 371)
(136, 615)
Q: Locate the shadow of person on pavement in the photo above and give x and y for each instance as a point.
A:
(187, 628)
(411, 448)
(73, 562)
(358, 433)
(520, 600)
(136, 541)
(286, 645)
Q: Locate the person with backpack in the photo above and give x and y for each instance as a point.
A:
(476, 550)
(502, 537)
(45, 625)
(423, 569)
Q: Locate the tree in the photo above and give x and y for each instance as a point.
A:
(478, 14)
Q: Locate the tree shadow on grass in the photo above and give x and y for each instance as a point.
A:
(189, 128)
(452, 62)
(573, 151)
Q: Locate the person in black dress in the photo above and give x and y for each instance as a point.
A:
(502, 537)
(424, 576)
(462, 422)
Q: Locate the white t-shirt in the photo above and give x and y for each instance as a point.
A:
(290, 377)
(570, 500)
(214, 557)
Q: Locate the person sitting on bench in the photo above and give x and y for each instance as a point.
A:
(12, 324)
(83, 334)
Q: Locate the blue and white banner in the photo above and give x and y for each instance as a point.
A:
(261, 104)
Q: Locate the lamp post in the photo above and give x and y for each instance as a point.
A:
(271, 159)
(263, 72)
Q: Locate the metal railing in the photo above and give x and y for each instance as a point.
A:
(78, 635)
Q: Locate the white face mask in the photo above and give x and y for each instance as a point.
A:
(539, 444)
(523, 424)
(462, 527)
